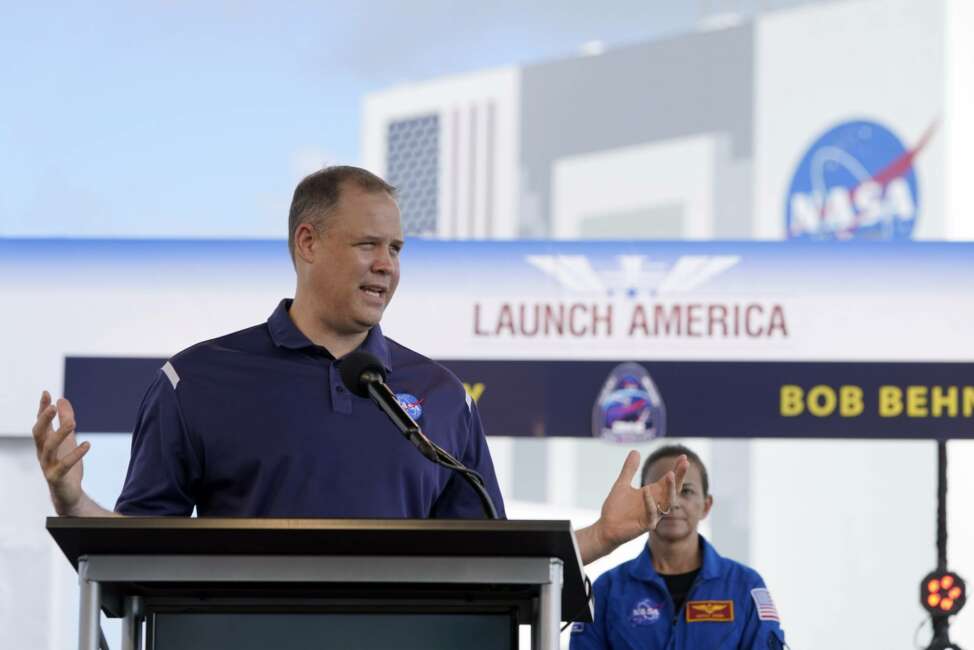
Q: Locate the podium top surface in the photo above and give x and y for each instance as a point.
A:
(78, 537)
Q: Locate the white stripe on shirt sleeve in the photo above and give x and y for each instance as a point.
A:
(171, 373)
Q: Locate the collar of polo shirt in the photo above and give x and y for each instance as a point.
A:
(285, 334)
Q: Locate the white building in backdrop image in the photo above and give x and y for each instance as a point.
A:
(720, 134)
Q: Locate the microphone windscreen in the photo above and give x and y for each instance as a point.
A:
(355, 364)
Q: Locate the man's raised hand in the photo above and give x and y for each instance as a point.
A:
(59, 454)
(628, 512)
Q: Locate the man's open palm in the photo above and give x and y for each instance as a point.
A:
(628, 512)
(58, 452)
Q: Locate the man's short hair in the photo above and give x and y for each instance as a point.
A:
(318, 194)
(673, 451)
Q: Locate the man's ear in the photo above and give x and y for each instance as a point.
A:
(305, 242)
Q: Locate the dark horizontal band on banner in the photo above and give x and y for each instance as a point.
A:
(735, 399)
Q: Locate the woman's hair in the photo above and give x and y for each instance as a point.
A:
(672, 451)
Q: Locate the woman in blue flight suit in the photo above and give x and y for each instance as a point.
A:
(679, 594)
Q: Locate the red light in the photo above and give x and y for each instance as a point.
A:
(942, 593)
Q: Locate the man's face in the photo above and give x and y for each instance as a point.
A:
(691, 505)
(355, 269)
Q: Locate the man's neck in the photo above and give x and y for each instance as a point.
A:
(673, 558)
(303, 316)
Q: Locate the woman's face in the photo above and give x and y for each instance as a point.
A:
(691, 505)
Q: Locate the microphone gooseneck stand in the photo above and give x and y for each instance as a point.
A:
(364, 375)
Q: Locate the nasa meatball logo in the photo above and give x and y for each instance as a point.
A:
(411, 404)
(629, 407)
(857, 181)
(645, 612)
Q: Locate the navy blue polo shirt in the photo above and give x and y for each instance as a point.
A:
(258, 424)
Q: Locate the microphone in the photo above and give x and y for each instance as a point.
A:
(364, 375)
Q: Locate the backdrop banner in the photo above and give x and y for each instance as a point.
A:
(622, 339)
(633, 401)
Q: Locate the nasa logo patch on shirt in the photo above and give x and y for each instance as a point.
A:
(578, 628)
(645, 612)
(411, 404)
(710, 611)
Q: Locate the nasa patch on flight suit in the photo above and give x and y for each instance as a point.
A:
(710, 611)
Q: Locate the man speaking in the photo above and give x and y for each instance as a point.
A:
(258, 423)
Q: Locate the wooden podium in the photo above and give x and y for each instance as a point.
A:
(217, 583)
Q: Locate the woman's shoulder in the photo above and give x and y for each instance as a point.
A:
(741, 573)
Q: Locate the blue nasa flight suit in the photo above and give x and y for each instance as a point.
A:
(633, 609)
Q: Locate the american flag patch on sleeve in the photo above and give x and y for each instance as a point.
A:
(766, 609)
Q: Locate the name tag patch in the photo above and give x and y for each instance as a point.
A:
(710, 611)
